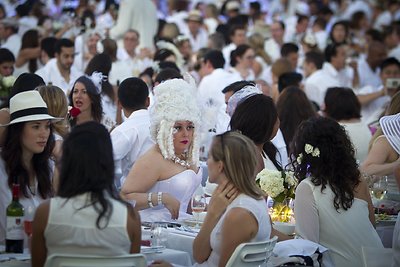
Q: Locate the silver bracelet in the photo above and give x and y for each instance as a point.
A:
(149, 200)
(159, 198)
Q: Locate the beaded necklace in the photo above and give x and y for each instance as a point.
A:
(183, 163)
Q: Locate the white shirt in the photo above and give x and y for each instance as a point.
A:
(130, 140)
(395, 52)
(139, 15)
(366, 75)
(211, 85)
(273, 49)
(226, 51)
(343, 232)
(199, 41)
(13, 43)
(51, 73)
(371, 111)
(316, 85)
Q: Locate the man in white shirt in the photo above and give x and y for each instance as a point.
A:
(237, 35)
(334, 73)
(273, 45)
(132, 138)
(368, 68)
(211, 86)
(59, 71)
(195, 31)
(375, 100)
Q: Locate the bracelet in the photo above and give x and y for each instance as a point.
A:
(159, 198)
(149, 200)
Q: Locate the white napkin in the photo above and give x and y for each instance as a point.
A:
(297, 247)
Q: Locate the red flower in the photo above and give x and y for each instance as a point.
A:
(74, 112)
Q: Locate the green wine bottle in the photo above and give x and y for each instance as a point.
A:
(15, 224)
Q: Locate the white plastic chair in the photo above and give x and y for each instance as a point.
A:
(70, 260)
(252, 254)
(377, 257)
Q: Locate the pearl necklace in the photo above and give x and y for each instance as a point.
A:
(183, 163)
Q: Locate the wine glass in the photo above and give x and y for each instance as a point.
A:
(29, 213)
(198, 206)
(378, 188)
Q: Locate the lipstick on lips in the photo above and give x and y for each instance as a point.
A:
(185, 142)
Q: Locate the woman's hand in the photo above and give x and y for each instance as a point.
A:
(172, 204)
(222, 196)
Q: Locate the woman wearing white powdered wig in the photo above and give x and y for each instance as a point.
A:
(163, 180)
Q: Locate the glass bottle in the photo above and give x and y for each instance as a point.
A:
(14, 224)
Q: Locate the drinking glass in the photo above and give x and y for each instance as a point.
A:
(198, 206)
(159, 234)
(29, 213)
(378, 188)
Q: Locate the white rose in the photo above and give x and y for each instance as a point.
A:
(9, 81)
(308, 148)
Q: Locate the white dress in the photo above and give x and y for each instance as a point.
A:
(181, 186)
(343, 232)
(71, 230)
(259, 210)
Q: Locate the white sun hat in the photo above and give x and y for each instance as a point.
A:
(391, 129)
(28, 106)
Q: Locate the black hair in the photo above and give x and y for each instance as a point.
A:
(30, 39)
(102, 63)
(331, 51)
(216, 58)
(25, 82)
(343, 23)
(288, 48)
(375, 35)
(289, 79)
(168, 64)
(133, 93)
(17, 172)
(94, 96)
(389, 62)
(236, 86)
(238, 52)
(316, 58)
(293, 108)
(6, 56)
(342, 104)
(60, 43)
(88, 167)
(167, 74)
(335, 166)
(258, 128)
(163, 54)
(48, 45)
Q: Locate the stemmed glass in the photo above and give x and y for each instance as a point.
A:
(378, 188)
(198, 206)
(28, 218)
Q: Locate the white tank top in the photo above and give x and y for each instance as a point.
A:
(71, 230)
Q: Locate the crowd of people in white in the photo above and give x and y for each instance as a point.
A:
(260, 67)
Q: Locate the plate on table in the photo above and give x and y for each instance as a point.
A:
(385, 218)
(193, 223)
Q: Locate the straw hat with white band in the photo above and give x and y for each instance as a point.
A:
(28, 106)
(391, 129)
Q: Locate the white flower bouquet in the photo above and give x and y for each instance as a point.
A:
(279, 185)
(6, 83)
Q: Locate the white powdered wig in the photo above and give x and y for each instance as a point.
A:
(175, 100)
(391, 129)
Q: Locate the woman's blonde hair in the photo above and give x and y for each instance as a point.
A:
(57, 105)
(239, 156)
(256, 41)
(393, 108)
